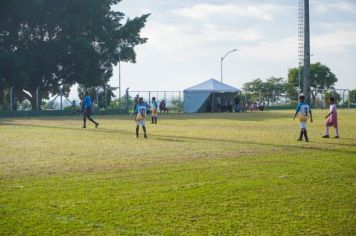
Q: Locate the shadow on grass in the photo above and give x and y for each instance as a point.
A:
(342, 144)
(267, 144)
(190, 139)
(244, 116)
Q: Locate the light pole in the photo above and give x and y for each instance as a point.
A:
(299, 75)
(119, 50)
(306, 74)
(222, 60)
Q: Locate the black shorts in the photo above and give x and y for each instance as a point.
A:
(87, 111)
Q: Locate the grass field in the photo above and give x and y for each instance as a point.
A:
(205, 174)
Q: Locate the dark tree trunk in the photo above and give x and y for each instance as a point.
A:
(33, 102)
(314, 99)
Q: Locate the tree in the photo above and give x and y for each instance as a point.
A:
(105, 98)
(352, 95)
(265, 90)
(254, 88)
(321, 78)
(52, 45)
(293, 84)
(275, 87)
(329, 94)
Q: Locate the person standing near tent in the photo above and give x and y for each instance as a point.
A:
(154, 108)
(218, 104)
(237, 103)
(88, 108)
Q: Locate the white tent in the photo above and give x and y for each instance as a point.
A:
(205, 94)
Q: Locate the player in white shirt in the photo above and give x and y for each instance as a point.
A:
(331, 119)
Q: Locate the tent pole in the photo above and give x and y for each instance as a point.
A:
(212, 102)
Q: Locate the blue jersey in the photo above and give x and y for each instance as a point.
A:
(141, 109)
(154, 105)
(303, 109)
(87, 101)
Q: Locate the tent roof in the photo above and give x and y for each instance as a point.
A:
(212, 85)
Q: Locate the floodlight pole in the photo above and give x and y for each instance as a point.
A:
(119, 80)
(106, 97)
(299, 74)
(306, 52)
(299, 89)
(221, 62)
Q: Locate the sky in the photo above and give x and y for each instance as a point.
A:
(187, 38)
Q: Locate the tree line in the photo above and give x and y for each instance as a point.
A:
(321, 78)
(53, 45)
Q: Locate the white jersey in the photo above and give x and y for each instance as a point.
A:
(333, 108)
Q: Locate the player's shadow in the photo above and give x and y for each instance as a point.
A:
(171, 139)
(239, 116)
(88, 129)
(342, 144)
(304, 147)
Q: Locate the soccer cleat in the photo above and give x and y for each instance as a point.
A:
(326, 136)
(299, 139)
(145, 136)
(84, 127)
(96, 125)
(336, 137)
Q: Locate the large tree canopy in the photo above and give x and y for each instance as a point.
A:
(55, 44)
(321, 77)
(265, 90)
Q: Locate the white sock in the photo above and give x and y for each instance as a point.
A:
(327, 130)
(337, 131)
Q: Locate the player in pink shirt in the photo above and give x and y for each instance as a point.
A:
(331, 119)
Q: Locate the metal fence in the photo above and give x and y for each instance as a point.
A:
(319, 99)
(106, 99)
(173, 100)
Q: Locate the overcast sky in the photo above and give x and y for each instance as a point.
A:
(188, 37)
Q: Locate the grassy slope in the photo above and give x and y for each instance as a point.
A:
(196, 174)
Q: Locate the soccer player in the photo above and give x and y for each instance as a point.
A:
(331, 119)
(88, 106)
(140, 114)
(154, 107)
(304, 111)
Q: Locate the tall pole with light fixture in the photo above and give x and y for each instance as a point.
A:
(306, 52)
(119, 50)
(299, 74)
(221, 63)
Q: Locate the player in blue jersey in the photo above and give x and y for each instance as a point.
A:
(304, 112)
(140, 115)
(154, 108)
(88, 106)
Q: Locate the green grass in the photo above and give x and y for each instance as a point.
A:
(204, 174)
